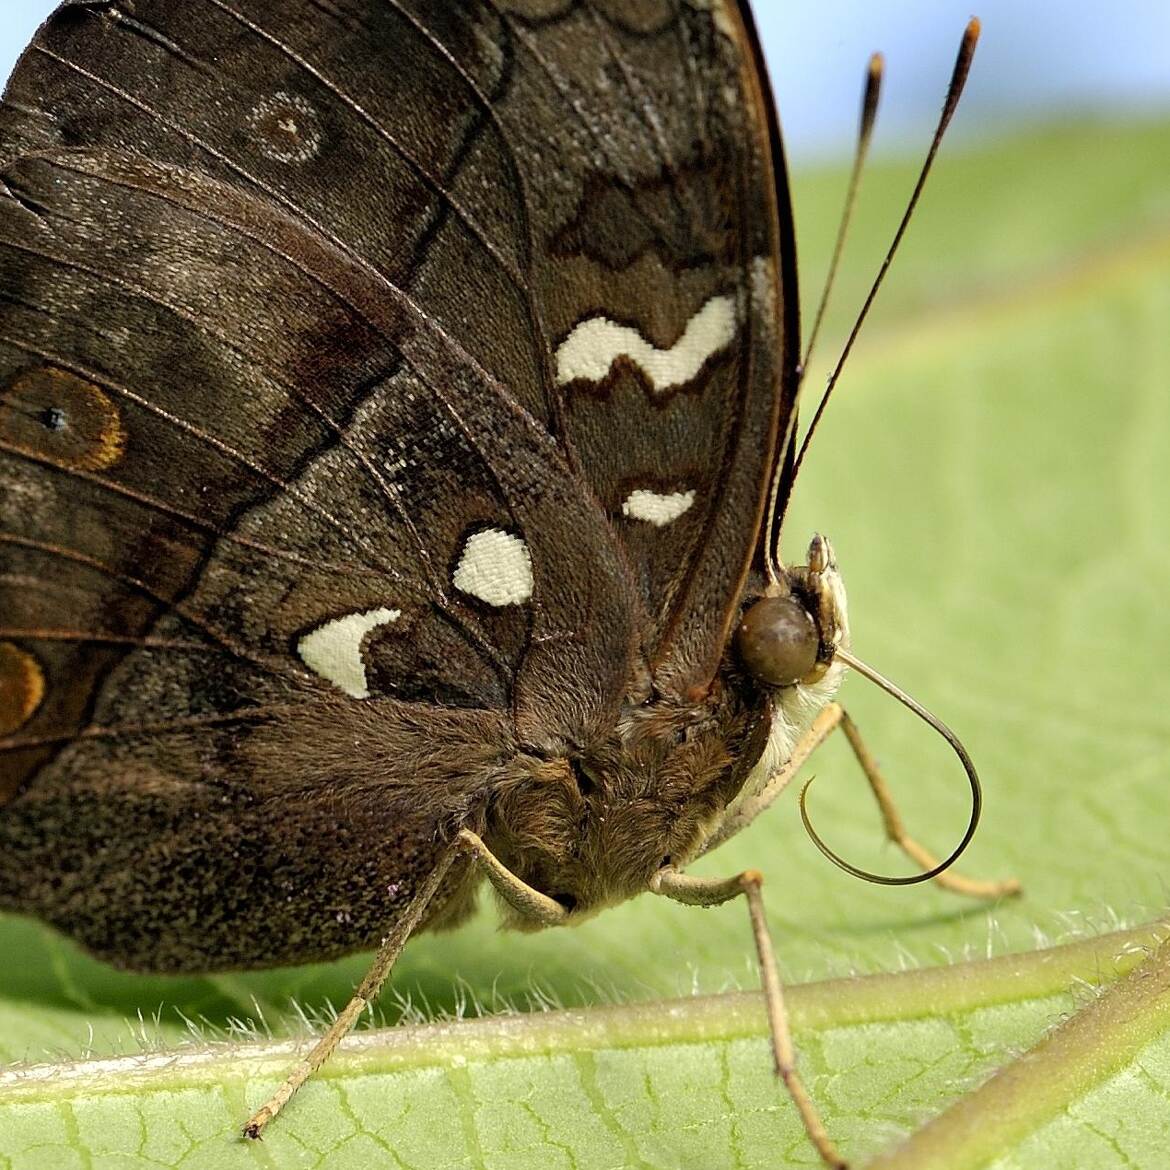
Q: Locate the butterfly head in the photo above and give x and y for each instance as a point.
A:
(787, 643)
(790, 635)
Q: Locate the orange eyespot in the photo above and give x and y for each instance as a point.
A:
(52, 413)
(777, 641)
(22, 687)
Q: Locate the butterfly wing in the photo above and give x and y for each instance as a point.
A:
(607, 177)
(318, 498)
(668, 286)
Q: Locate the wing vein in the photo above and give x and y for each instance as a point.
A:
(436, 185)
(213, 530)
(294, 394)
(640, 101)
(160, 727)
(581, 116)
(400, 297)
(273, 665)
(207, 439)
(537, 323)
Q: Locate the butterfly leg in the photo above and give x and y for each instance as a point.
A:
(822, 727)
(695, 891)
(526, 901)
(366, 993)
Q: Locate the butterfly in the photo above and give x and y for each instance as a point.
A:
(397, 415)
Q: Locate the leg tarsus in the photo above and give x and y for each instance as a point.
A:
(366, 993)
(783, 1050)
(697, 891)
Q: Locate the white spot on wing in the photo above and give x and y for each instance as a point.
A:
(334, 651)
(655, 508)
(495, 567)
(595, 344)
(764, 288)
(286, 128)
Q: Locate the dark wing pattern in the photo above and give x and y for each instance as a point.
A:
(364, 364)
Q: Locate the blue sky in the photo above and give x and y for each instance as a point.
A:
(1038, 59)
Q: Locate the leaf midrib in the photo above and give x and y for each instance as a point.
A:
(865, 999)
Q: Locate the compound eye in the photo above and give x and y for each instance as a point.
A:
(777, 641)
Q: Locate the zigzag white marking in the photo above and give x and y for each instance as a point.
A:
(596, 343)
(334, 651)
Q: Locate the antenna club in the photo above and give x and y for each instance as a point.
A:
(877, 65)
(974, 28)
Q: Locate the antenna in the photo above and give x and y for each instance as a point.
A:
(869, 107)
(954, 91)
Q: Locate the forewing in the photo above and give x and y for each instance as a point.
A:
(584, 194)
(196, 396)
(665, 273)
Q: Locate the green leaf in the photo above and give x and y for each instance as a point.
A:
(993, 476)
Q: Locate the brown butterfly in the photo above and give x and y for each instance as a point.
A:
(397, 411)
